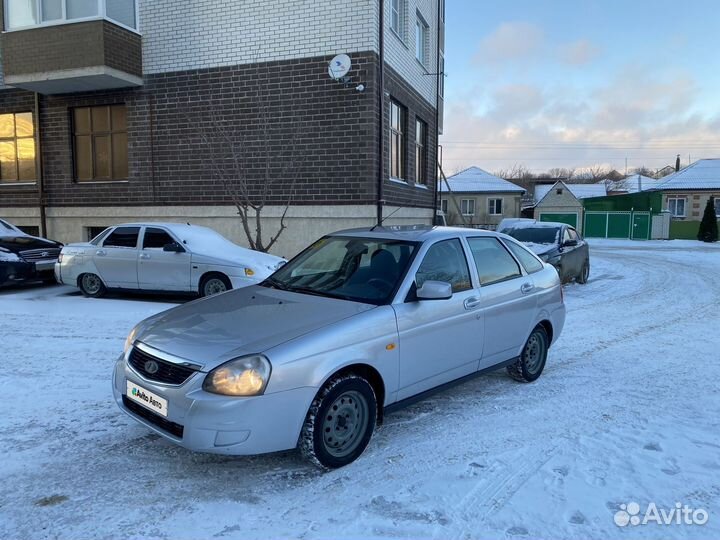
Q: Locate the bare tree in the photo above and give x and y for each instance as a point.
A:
(257, 158)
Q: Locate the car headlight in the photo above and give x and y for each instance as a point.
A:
(8, 256)
(246, 376)
(131, 338)
(554, 260)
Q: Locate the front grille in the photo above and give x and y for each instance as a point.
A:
(34, 255)
(167, 372)
(166, 425)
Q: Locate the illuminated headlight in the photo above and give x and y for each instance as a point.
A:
(246, 376)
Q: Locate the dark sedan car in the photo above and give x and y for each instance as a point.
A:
(24, 257)
(555, 243)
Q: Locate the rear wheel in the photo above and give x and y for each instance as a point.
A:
(91, 285)
(531, 363)
(340, 422)
(584, 274)
(214, 284)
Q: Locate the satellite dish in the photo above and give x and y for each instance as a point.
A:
(339, 66)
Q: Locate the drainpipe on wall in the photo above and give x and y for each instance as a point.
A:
(39, 167)
(381, 105)
(438, 149)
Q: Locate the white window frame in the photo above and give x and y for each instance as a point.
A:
(466, 205)
(492, 206)
(444, 206)
(673, 211)
(396, 14)
(102, 15)
(422, 35)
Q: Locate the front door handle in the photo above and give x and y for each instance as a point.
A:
(100, 252)
(527, 288)
(471, 303)
(144, 255)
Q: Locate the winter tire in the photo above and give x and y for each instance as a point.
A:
(584, 275)
(532, 359)
(214, 284)
(339, 423)
(91, 285)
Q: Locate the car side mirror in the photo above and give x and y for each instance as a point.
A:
(570, 243)
(434, 290)
(174, 247)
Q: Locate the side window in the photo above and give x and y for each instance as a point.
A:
(493, 261)
(156, 238)
(527, 259)
(126, 237)
(445, 261)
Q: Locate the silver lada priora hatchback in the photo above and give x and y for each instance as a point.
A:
(360, 323)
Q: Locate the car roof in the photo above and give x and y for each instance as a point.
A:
(172, 226)
(412, 233)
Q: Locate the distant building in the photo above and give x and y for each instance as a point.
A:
(561, 202)
(632, 184)
(477, 198)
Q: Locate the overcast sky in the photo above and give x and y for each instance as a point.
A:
(561, 83)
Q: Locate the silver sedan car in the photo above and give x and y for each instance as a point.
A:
(177, 257)
(360, 323)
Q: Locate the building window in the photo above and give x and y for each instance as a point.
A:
(420, 152)
(676, 206)
(397, 11)
(17, 148)
(422, 33)
(495, 207)
(100, 143)
(441, 77)
(444, 206)
(397, 140)
(467, 207)
(29, 13)
(717, 207)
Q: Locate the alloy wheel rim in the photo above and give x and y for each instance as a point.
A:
(345, 423)
(91, 283)
(214, 286)
(533, 353)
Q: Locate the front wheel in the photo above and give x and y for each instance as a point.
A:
(214, 284)
(532, 359)
(91, 285)
(339, 423)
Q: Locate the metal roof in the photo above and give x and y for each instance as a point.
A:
(476, 180)
(703, 174)
(581, 191)
(635, 183)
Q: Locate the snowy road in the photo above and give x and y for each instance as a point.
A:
(626, 411)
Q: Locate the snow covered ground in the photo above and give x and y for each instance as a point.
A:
(626, 411)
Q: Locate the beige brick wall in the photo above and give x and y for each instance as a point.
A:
(510, 208)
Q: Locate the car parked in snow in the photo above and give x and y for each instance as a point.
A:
(161, 257)
(25, 258)
(558, 244)
(361, 322)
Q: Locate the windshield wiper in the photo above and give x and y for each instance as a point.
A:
(275, 284)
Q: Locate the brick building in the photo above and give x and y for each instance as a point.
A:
(125, 110)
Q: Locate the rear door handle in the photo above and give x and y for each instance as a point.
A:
(471, 303)
(100, 252)
(144, 255)
(527, 288)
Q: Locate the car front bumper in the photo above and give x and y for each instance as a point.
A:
(19, 271)
(218, 424)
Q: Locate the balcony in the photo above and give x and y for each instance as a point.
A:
(63, 46)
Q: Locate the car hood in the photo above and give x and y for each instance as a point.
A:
(17, 243)
(540, 249)
(251, 320)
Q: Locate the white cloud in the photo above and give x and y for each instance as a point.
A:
(578, 53)
(511, 41)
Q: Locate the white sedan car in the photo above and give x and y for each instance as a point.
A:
(161, 257)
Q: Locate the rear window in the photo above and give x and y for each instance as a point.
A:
(494, 263)
(535, 235)
(527, 259)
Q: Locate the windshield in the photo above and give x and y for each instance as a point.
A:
(367, 270)
(535, 235)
